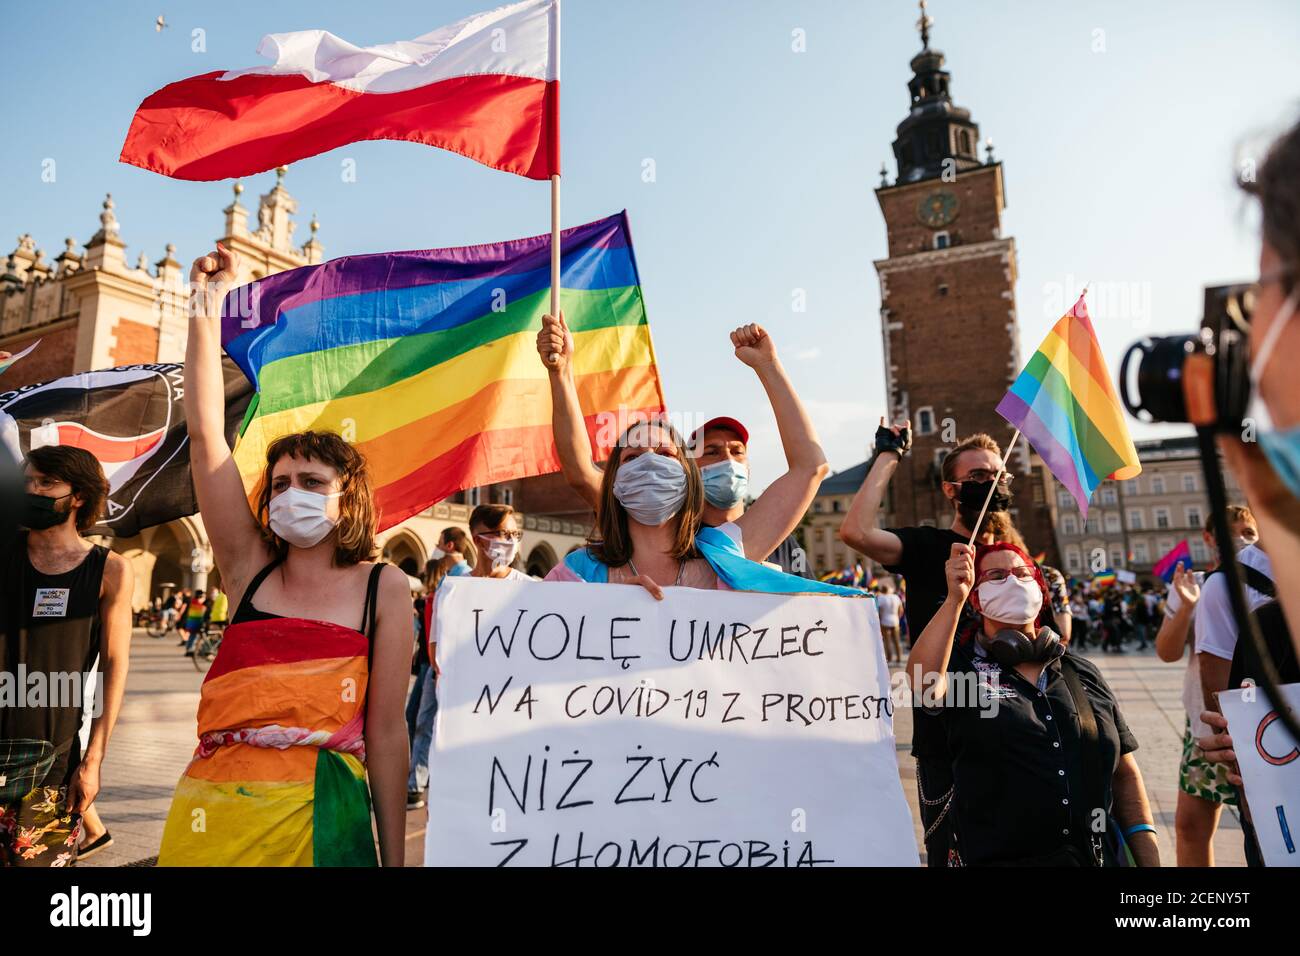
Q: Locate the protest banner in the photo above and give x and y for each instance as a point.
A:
(590, 725)
(1270, 767)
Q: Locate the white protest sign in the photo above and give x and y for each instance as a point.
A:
(590, 725)
(1270, 767)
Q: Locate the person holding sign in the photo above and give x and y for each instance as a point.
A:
(720, 448)
(302, 707)
(1036, 739)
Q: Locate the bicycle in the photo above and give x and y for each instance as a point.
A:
(206, 646)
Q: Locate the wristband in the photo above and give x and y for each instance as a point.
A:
(1139, 827)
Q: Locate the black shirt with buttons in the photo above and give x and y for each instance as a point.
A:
(1017, 760)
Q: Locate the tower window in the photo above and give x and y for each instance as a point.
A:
(924, 421)
(941, 240)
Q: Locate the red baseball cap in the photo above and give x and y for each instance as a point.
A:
(722, 422)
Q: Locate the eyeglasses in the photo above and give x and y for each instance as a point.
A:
(1023, 572)
(981, 475)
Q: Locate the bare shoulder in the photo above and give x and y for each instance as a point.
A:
(393, 583)
(118, 574)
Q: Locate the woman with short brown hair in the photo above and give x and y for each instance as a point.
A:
(300, 716)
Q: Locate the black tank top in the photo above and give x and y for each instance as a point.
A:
(49, 625)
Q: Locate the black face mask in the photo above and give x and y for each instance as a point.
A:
(971, 498)
(40, 512)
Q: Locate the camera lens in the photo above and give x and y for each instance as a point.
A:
(1159, 378)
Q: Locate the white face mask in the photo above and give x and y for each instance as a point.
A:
(299, 517)
(651, 488)
(502, 553)
(1011, 600)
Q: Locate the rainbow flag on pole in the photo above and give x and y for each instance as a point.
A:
(1065, 406)
(1179, 554)
(427, 361)
(1104, 578)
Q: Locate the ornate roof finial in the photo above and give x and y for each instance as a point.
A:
(238, 189)
(107, 220)
(924, 25)
(315, 225)
(279, 176)
(171, 250)
(988, 149)
(884, 176)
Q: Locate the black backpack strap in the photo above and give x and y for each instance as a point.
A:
(370, 611)
(1260, 582)
(1089, 736)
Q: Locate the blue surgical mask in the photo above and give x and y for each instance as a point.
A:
(1280, 446)
(725, 483)
(651, 488)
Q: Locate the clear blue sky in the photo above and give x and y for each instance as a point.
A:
(1118, 164)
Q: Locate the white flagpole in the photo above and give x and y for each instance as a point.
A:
(555, 203)
(989, 497)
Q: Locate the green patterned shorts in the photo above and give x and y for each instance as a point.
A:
(1199, 777)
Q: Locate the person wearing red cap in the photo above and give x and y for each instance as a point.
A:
(764, 529)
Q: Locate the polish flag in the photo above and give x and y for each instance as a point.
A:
(487, 87)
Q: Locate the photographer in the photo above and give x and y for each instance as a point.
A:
(1269, 467)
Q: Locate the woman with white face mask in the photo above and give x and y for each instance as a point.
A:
(649, 531)
(315, 614)
(1035, 737)
(761, 530)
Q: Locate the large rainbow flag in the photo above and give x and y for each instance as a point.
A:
(1065, 406)
(427, 361)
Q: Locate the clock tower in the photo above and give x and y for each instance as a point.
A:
(948, 314)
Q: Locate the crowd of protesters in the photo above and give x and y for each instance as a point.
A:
(314, 610)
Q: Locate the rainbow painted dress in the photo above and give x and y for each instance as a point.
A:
(279, 776)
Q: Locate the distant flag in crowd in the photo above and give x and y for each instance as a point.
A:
(1180, 554)
(6, 364)
(132, 419)
(1104, 578)
(487, 87)
(427, 361)
(1040, 557)
(1065, 406)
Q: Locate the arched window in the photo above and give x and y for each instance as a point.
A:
(925, 421)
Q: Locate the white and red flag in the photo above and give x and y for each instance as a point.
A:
(487, 87)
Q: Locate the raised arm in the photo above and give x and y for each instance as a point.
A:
(860, 529)
(780, 508)
(1171, 639)
(555, 346)
(236, 538)
(927, 662)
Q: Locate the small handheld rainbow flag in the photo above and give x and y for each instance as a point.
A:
(1104, 578)
(427, 362)
(1065, 406)
(1180, 554)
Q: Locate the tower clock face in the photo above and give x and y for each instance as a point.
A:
(937, 209)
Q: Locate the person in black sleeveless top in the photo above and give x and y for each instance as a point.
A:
(66, 614)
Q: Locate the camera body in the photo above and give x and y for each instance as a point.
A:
(1202, 378)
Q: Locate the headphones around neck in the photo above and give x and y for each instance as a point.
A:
(1010, 647)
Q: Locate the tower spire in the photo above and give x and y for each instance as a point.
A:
(937, 136)
(924, 25)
